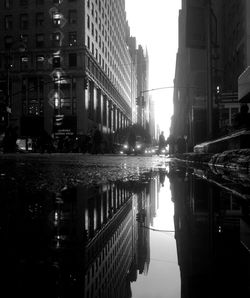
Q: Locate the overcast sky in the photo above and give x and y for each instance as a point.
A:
(154, 23)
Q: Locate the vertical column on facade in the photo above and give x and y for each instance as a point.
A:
(110, 198)
(114, 118)
(99, 107)
(16, 104)
(49, 103)
(110, 116)
(81, 104)
(82, 215)
(122, 121)
(114, 198)
(105, 206)
(105, 114)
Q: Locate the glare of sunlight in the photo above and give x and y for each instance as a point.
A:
(164, 219)
(155, 26)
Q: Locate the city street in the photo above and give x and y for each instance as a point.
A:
(80, 225)
(56, 171)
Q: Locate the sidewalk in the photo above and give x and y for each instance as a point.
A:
(238, 159)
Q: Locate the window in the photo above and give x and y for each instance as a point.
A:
(88, 21)
(8, 3)
(72, 39)
(24, 22)
(40, 61)
(39, 19)
(8, 41)
(39, 2)
(24, 62)
(8, 22)
(24, 38)
(24, 2)
(40, 40)
(72, 17)
(56, 62)
(72, 60)
(58, 19)
(56, 39)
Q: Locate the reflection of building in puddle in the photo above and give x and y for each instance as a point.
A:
(116, 244)
(207, 231)
(81, 241)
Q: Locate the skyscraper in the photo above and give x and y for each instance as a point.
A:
(65, 66)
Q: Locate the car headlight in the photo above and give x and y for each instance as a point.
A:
(153, 151)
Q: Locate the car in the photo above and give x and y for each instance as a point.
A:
(163, 151)
(154, 150)
(139, 147)
(149, 151)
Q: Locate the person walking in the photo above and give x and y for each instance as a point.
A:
(162, 142)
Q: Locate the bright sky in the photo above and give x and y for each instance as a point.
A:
(154, 23)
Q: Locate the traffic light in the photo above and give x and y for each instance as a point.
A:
(137, 100)
(142, 101)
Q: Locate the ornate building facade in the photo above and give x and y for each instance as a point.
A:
(65, 66)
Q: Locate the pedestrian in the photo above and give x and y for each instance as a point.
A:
(97, 141)
(181, 144)
(162, 142)
(171, 143)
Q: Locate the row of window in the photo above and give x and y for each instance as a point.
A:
(116, 76)
(107, 35)
(56, 40)
(41, 62)
(25, 24)
(25, 3)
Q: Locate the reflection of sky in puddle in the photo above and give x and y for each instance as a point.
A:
(163, 277)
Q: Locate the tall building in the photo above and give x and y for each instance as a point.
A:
(208, 67)
(142, 85)
(65, 66)
(190, 80)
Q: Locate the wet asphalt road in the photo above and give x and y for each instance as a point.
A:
(55, 171)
